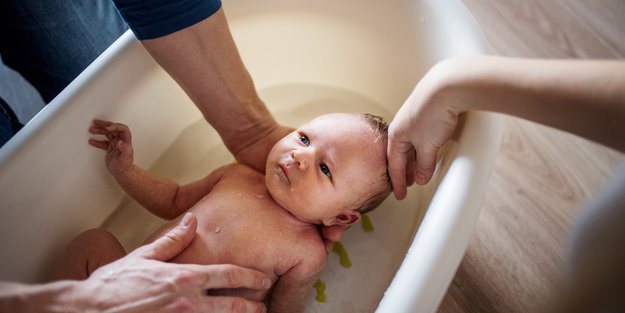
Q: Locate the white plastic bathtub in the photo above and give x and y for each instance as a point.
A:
(306, 58)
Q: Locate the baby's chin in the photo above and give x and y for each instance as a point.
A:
(273, 192)
(279, 198)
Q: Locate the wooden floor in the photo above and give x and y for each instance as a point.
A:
(542, 176)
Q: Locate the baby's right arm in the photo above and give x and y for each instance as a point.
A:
(118, 145)
(162, 197)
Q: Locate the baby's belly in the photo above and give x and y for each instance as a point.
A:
(242, 233)
(220, 247)
(196, 254)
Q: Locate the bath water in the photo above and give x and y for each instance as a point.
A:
(373, 256)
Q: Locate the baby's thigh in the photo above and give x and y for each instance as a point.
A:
(87, 252)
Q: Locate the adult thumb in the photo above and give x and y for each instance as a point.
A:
(172, 243)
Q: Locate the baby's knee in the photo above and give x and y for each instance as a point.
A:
(87, 252)
(93, 236)
(95, 242)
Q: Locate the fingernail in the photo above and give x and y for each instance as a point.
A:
(267, 283)
(186, 219)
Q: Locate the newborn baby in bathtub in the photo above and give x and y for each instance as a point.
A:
(328, 172)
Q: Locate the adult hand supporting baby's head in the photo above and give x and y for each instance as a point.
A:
(142, 281)
(331, 234)
(421, 127)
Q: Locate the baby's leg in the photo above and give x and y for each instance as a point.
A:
(86, 253)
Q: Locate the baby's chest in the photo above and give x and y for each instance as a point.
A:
(253, 245)
(245, 232)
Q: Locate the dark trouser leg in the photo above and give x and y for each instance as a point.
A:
(50, 42)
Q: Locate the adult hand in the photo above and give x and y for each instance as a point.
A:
(141, 282)
(420, 128)
(255, 153)
(331, 234)
(581, 97)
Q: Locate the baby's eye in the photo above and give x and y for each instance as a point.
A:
(325, 170)
(304, 139)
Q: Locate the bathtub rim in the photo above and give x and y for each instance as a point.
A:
(439, 245)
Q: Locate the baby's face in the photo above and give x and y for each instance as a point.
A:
(327, 167)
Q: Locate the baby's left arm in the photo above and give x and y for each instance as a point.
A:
(289, 293)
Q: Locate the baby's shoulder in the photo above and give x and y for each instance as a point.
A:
(238, 169)
(313, 249)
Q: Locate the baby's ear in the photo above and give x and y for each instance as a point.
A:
(347, 218)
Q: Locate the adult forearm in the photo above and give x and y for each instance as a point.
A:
(205, 62)
(586, 98)
(63, 296)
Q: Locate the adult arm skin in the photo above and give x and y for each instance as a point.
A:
(586, 98)
(205, 62)
(141, 282)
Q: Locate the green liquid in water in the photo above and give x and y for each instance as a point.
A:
(343, 257)
(320, 287)
(366, 224)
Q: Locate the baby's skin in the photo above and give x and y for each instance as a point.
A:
(320, 174)
(239, 223)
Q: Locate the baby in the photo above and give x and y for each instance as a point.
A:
(328, 172)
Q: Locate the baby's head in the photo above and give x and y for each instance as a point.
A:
(331, 169)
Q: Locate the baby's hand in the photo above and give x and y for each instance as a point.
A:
(118, 145)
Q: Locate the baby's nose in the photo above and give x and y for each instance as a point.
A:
(302, 158)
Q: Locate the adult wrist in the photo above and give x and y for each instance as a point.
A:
(62, 296)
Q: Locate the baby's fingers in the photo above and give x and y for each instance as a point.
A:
(100, 125)
(99, 128)
(121, 131)
(100, 144)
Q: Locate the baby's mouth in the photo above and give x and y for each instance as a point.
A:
(283, 173)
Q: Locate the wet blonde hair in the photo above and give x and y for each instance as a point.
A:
(380, 126)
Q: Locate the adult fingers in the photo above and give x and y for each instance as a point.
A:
(426, 163)
(172, 243)
(215, 304)
(233, 304)
(229, 276)
(411, 164)
(397, 159)
(333, 233)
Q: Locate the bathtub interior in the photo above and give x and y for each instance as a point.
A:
(374, 253)
(306, 58)
(283, 45)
